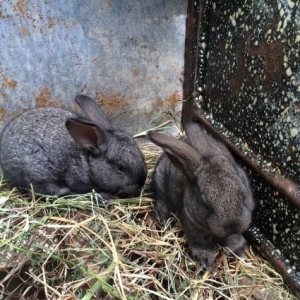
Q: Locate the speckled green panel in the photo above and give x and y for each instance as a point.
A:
(248, 87)
(253, 76)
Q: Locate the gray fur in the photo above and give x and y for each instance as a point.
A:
(199, 179)
(61, 153)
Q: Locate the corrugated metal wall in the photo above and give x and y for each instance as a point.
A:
(126, 54)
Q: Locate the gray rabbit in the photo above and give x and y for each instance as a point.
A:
(62, 153)
(199, 179)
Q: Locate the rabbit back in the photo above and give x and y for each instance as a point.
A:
(29, 147)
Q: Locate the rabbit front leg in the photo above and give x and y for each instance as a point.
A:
(161, 211)
(54, 189)
(236, 243)
(201, 244)
(167, 188)
(167, 201)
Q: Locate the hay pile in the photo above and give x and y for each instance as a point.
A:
(71, 248)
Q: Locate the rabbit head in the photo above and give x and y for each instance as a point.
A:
(116, 165)
(216, 195)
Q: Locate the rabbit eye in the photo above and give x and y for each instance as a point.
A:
(121, 169)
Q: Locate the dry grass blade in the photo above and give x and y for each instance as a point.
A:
(71, 248)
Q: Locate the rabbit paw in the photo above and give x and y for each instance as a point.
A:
(236, 243)
(161, 212)
(204, 256)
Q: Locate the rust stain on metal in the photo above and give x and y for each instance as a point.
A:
(3, 95)
(83, 89)
(7, 82)
(115, 103)
(6, 115)
(173, 100)
(51, 24)
(169, 103)
(273, 55)
(24, 31)
(43, 98)
(241, 71)
(20, 6)
(2, 111)
(135, 72)
(158, 103)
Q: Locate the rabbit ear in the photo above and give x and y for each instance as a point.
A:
(202, 142)
(198, 139)
(183, 156)
(88, 135)
(93, 111)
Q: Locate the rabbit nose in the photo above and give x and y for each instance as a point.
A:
(130, 191)
(236, 227)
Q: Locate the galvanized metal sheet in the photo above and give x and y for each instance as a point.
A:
(126, 54)
(244, 77)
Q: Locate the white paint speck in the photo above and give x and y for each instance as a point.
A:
(279, 25)
(232, 19)
(274, 229)
(288, 72)
(294, 132)
(290, 3)
(280, 136)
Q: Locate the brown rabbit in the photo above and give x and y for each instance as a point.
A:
(200, 180)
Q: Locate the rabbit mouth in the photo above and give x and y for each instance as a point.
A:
(131, 191)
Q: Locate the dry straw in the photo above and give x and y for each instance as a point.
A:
(83, 248)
